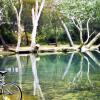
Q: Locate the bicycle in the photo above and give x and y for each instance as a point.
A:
(9, 91)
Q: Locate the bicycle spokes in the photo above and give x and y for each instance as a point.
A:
(12, 92)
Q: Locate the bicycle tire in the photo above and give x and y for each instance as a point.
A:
(12, 91)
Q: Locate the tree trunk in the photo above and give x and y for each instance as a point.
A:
(33, 38)
(90, 54)
(36, 12)
(93, 40)
(18, 42)
(81, 37)
(68, 34)
(19, 33)
(18, 17)
(88, 31)
(79, 27)
(3, 43)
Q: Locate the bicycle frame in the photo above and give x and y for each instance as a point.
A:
(2, 82)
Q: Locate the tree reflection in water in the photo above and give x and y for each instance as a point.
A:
(69, 64)
(78, 77)
(19, 69)
(37, 87)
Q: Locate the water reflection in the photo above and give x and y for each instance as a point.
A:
(36, 85)
(19, 69)
(69, 65)
(56, 76)
(79, 74)
(90, 54)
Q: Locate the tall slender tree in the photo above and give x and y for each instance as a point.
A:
(36, 12)
(18, 12)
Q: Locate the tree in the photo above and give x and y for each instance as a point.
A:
(79, 12)
(1, 37)
(36, 12)
(18, 12)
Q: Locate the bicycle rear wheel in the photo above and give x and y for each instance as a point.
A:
(11, 91)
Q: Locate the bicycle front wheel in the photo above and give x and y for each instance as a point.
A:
(11, 91)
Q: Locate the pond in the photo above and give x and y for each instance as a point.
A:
(70, 76)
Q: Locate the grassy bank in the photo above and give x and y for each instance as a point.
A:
(2, 52)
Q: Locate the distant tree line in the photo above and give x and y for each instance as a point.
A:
(61, 21)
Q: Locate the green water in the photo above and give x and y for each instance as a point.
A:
(70, 76)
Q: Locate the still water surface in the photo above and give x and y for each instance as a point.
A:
(70, 76)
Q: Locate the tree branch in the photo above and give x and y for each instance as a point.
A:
(68, 34)
(88, 32)
(15, 9)
(36, 8)
(33, 16)
(21, 7)
(93, 40)
(90, 54)
(40, 10)
(75, 23)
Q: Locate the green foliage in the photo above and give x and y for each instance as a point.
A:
(49, 27)
(78, 8)
(7, 34)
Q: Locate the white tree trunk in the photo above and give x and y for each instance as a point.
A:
(93, 40)
(90, 54)
(18, 17)
(19, 33)
(81, 36)
(79, 27)
(68, 34)
(33, 38)
(36, 12)
(88, 31)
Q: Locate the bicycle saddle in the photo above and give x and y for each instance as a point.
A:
(3, 72)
